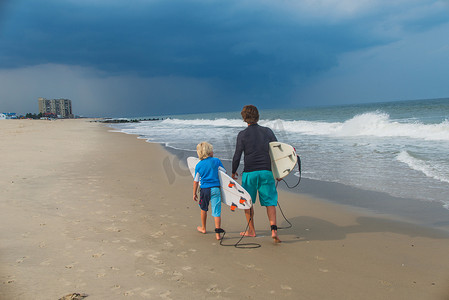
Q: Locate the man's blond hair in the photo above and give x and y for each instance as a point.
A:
(204, 150)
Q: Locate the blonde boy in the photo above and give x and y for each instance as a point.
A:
(206, 175)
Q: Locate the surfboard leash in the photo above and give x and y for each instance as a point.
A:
(290, 187)
(238, 245)
(300, 175)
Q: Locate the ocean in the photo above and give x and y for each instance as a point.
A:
(399, 148)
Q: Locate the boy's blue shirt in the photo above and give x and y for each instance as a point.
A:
(206, 172)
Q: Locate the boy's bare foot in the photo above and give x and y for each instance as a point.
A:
(247, 233)
(219, 232)
(201, 229)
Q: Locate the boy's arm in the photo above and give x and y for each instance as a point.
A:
(195, 189)
(221, 167)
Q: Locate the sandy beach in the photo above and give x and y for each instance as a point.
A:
(85, 210)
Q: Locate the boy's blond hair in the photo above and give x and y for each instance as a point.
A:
(204, 150)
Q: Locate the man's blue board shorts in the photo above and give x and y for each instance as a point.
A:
(262, 182)
(212, 196)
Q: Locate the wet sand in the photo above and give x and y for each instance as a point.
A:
(85, 210)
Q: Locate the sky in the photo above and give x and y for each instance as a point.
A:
(159, 57)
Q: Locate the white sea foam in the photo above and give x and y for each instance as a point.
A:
(422, 166)
(375, 124)
(222, 122)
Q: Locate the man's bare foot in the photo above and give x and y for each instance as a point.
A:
(274, 235)
(218, 236)
(201, 229)
(247, 233)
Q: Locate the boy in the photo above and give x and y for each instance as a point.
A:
(206, 173)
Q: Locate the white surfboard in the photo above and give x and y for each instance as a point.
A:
(232, 193)
(283, 159)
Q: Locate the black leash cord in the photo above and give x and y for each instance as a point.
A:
(238, 245)
(289, 224)
(299, 179)
(290, 187)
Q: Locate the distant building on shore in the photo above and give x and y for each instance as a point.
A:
(60, 107)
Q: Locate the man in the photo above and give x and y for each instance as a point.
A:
(257, 176)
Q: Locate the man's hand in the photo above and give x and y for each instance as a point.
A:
(235, 175)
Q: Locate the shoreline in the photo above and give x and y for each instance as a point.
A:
(85, 210)
(429, 214)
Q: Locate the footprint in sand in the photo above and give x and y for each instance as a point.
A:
(158, 271)
(165, 295)
(183, 254)
(140, 273)
(113, 229)
(146, 293)
(157, 234)
(131, 292)
(154, 258)
(286, 287)
(177, 276)
(385, 283)
(46, 262)
(115, 287)
(21, 260)
(213, 289)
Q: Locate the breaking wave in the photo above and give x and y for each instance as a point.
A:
(422, 166)
(376, 124)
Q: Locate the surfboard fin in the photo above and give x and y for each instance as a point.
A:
(242, 200)
(231, 184)
(233, 206)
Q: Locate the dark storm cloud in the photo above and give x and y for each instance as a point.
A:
(180, 38)
(179, 54)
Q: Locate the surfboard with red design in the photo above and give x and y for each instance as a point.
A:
(232, 193)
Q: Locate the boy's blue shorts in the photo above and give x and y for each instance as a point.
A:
(262, 182)
(213, 196)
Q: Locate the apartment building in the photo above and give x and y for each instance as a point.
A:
(60, 107)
